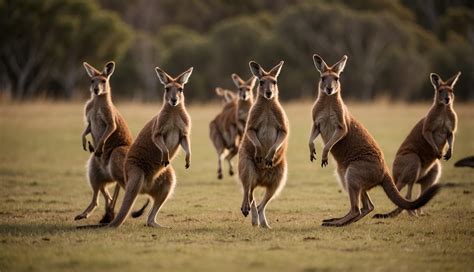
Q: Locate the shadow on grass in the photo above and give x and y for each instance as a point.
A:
(34, 229)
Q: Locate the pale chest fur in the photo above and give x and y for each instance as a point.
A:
(267, 129)
(326, 118)
(172, 130)
(442, 126)
(95, 115)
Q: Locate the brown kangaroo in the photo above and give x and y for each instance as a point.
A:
(245, 101)
(147, 168)
(417, 159)
(262, 155)
(111, 140)
(360, 162)
(223, 131)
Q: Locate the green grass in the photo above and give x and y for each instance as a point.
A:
(42, 176)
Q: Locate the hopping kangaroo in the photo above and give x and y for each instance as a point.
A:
(147, 168)
(111, 140)
(262, 154)
(223, 131)
(417, 159)
(360, 161)
(227, 128)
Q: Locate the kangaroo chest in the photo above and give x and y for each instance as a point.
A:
(98, 125)
(327, 120)
(442, 126)
(267, 130)
(172, 130)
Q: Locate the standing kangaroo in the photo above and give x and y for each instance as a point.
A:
(262, 154)
(223, 131)
(417, 159)
(147, 168)
(111, 140)
(360, 162)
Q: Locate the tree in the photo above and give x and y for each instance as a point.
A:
(45, 42)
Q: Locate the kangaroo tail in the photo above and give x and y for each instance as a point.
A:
(135, 181)
(394, 195)
(466, 162)
(139, 212)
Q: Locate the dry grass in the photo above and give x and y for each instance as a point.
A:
(42, 176)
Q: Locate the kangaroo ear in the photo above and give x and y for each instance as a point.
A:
(452, 81)
(228, 96)
(275, 71)
(163, 76)
(109, 68)
(219, 91)
(184, 77)
(237, 80)
(251, 82)
(339, 66)
(319, 63)
(435, 80)
(91, 71)
(256, 69)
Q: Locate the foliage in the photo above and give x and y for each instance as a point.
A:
(392, 45)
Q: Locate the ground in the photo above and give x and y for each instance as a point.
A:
(42, 176)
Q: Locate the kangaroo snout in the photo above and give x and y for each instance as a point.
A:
(96, 91)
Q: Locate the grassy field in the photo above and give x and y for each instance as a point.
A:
(42, 176)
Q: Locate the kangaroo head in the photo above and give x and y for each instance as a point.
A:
(100, 80)
(268, 87)
(245, 87)
(329, 82)
(173, 86)
(444, 91)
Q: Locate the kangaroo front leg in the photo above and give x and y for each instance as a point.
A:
(450, 140)
(86, 131)
(252, 135)
(313, 135)
(428, 135)
(339, 133)
(187, 149)
(159, 141)
(110, 128)
(281, 136)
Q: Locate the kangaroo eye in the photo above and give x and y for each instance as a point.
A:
(103, 81)
(180, 89)
(336, 79)
(92, 81)
(261, 82)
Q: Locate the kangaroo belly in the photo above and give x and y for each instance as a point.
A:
(267, 136)
(172, 139)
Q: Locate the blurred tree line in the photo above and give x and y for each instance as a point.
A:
(392, 45)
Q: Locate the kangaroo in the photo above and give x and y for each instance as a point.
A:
(465, 162)
(262, 154)
(147, 168)
(417, 159)
(360, 161)
(227, 128)
(223, 131)
(245, 101)
(111, 140)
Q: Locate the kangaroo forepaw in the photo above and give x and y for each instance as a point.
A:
(324, 163)
(165, 163)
